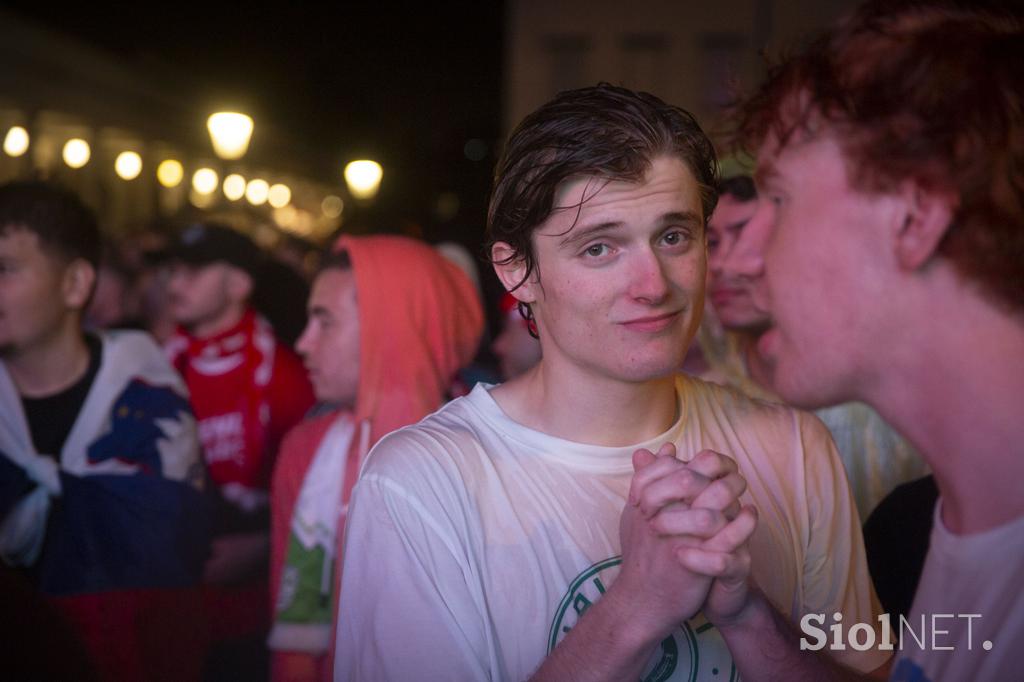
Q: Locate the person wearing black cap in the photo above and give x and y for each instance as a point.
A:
(248, 390)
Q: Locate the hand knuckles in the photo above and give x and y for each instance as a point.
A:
(703, 520)
(685, 479)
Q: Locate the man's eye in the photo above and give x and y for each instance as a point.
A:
(596, 250)
(674, 238)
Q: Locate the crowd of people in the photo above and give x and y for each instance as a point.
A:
(219, 465)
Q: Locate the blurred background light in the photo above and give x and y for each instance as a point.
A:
(16, 141)
(205, 181)
(234, 187)
(279, 195)
(257, 192)
(170, 173)
(230, 132)
(363, 178)
(332, 206)
(285, 216)
(76, 152)
(128, 165)
(447, 206)
(200, 199)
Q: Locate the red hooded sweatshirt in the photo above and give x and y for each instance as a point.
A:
(420, 321)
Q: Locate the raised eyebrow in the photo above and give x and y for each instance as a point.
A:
(682, 217)
(577, 236)
(688, 218)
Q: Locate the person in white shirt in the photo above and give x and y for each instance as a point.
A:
(890, 234)
(507, 536)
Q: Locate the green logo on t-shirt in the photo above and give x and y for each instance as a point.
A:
(694, 652)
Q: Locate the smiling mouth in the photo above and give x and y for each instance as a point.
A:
(655, 323)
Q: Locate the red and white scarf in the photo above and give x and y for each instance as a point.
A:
(228, 377)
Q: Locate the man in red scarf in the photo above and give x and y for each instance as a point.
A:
(247, 390)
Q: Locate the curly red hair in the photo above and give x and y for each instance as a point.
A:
(929, 91)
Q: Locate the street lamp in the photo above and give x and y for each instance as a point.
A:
(76, 152)
(257, 192)
(16, 141)
(205, 181)
(230, 132)
(170, 173)
(128, 165)
(234, 187)
(363, 178)
(279, 195)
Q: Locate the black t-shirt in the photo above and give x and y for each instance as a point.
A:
(896, 538)
(50, 418)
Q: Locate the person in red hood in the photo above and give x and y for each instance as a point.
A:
(247, 389)
(390, 323)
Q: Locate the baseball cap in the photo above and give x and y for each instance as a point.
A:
(204, 243)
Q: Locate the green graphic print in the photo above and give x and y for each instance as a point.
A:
(694, 652)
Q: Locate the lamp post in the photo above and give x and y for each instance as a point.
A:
(257, 191)
(234, 187)
(170, 173)
(76, 152)
(363, 178)
(16, 141)
(205, 181)
(279, 195)
(230, 132)
(128, 165)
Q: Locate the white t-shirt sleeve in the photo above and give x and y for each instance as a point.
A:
(835, 573)
(407, 607)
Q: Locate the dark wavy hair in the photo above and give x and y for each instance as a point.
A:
(930, 91)
(65, 226)
(605, 131)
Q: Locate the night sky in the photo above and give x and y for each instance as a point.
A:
(405, 84)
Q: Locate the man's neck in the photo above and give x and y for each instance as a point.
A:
(957, 397)
(50, 365)
(570, 404)
(229, 318)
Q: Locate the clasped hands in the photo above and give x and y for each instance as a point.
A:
(685, 539)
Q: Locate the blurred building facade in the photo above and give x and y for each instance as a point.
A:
(59, 89)
(692, 54)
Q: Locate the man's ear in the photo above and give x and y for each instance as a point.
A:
(928, 215)
(240, 284)
(79, 282)
(511, 271)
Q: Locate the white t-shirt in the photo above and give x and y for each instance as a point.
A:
(971, 593)
(474, 543)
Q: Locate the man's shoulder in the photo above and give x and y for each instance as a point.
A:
(447, 440)
(135, 355)
(307, 434)
(300, 444)
(729, 408)
(733, 399)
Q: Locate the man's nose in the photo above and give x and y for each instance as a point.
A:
(302, 344)
(648, 281)
(746, 257)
